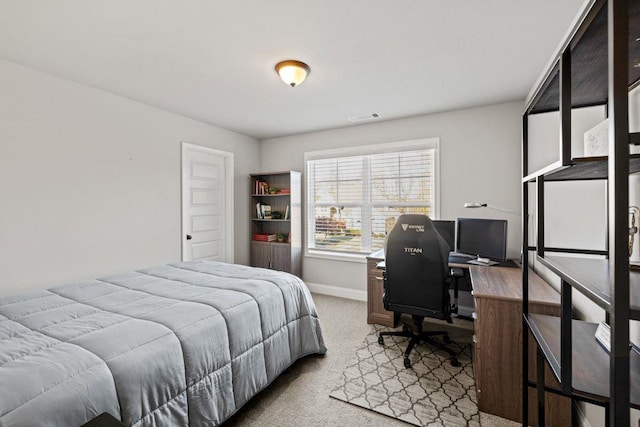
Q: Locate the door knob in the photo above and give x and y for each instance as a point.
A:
(189, 237)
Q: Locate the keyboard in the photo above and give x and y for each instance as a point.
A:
(456, 258)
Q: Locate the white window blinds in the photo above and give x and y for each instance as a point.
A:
(353, 201)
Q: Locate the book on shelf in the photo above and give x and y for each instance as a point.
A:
(258, 211)
(262, 187)
(266, 211)
(264, 237)
(286, 213)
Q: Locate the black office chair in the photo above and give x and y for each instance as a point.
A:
(416, 281)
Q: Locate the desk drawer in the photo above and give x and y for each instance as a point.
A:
(477, 324)
(371, 267)
(477, 371)
(375, 307)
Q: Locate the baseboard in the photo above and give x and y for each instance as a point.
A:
(336, 291)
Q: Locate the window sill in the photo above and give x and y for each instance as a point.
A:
(355, 258)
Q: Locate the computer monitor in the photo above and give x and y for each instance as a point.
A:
(485, 238)
(446, 229)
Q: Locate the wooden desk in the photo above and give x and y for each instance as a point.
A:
(497, 355)
(375, 289)
(497, 352)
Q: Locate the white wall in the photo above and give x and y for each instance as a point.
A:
(90, 181)
(479, 161)
(544, 134)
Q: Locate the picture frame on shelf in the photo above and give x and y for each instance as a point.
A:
(596, 140)
(266, 211)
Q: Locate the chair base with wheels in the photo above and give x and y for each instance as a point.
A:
(416, 336)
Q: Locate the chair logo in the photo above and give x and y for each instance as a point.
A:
(413, 251)
(417, 228)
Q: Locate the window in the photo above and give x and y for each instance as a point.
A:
(354, 196)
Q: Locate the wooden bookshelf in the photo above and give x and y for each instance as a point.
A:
(285, 255)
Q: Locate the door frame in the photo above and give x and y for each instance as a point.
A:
(228, 202)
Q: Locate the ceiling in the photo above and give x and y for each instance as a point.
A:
(213, 60)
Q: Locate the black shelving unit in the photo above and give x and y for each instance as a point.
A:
(596, 65)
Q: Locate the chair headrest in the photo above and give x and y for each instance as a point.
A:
(412, 223)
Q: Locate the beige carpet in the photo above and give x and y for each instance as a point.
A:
(300, 396)
(429, 393)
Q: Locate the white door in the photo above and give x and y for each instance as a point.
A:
(207, 204)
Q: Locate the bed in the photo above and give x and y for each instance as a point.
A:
(179, 344)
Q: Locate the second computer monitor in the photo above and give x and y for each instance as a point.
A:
(446, 229)
(486, 238)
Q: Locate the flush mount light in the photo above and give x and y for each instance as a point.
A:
(292, 72)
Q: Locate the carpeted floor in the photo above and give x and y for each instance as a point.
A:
(300, 396)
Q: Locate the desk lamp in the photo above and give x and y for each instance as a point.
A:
(474, 205)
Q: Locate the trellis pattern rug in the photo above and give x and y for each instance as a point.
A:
(430, 393)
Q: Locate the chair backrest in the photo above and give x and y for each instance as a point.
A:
(416, 260)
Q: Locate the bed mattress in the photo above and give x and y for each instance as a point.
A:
(179, 344)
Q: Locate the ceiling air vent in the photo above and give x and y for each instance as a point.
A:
(365, 117)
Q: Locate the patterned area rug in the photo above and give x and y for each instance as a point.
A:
(430, 393)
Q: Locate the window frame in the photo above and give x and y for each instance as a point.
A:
(365, 150)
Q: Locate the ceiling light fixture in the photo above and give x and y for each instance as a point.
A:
(292, 72)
